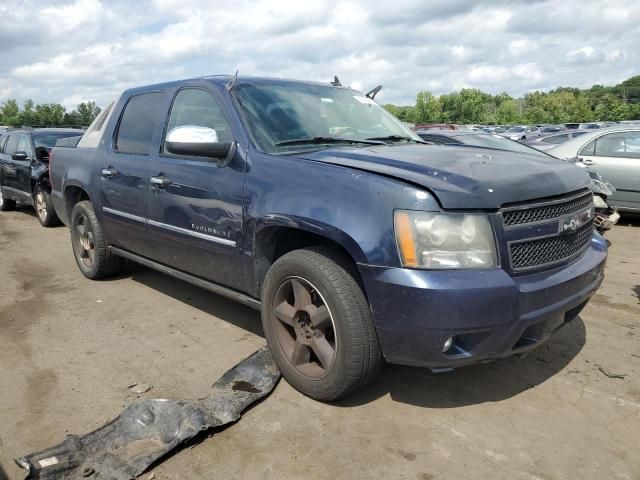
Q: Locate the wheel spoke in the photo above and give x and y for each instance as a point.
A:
(79, 229)
(323, 349)
(84, 253)
(301, 354)
(319, 317)
(285, 313)
(302, 296)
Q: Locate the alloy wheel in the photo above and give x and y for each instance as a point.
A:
(304, 328)
(1, 198)
(41, 206)
(84, 242)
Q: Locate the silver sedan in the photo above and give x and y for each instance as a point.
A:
(615, 154)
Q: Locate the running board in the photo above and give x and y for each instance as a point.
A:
(197, 281)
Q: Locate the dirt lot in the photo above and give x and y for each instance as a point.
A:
(69, 347)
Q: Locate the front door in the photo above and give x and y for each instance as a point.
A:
(195, 207)
(616, 156)
(124, 170)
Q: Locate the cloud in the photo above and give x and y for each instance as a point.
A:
(73, 50)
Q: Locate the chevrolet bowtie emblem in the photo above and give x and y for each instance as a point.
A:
(573, 222)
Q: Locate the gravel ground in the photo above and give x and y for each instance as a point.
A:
(69, 348)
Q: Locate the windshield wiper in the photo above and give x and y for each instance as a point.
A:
(321, 140)
(395, 138)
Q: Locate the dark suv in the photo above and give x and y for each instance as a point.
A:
(24, 169)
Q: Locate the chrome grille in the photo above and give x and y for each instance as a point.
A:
(546, 212)
(546, 251)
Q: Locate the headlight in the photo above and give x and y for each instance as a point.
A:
(444, 240)
(599, 202)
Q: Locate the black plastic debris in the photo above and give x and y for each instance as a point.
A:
(144, 432)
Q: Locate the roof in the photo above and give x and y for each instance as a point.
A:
(223, 79)
(46, 130)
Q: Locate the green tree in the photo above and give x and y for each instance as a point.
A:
(10, 113)
(427, 108)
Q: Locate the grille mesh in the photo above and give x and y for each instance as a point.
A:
(550, 250)
(546, 212)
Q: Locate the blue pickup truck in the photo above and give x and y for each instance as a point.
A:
(357, 241)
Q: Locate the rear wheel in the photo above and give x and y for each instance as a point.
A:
(89, 244)
(44, 208)
(5, 203)
(318, 324)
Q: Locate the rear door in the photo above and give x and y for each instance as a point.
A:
(124, 170)
(616, 156)
(195, 218)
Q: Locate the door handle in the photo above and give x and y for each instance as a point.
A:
(160, 182)
(109, 172)
(588, 161)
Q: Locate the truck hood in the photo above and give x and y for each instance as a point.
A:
(463, 177)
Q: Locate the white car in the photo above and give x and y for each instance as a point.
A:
(615, 154)
(522, 132)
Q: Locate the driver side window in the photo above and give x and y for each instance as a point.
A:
(23, 145)
(196, 107)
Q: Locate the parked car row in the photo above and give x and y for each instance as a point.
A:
(358, 241)
(606, 214)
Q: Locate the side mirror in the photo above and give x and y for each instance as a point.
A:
(20, 156)
(191, 140)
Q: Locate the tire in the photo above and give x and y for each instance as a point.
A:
(44, 208)
(89, 244)
(296, 326)
(5, 203)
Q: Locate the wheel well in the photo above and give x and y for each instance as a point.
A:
(274, 242)
(73, 195)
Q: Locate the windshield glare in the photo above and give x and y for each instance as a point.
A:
(277, 113)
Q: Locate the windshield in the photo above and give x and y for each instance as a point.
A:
(516, 129)
(498, 143)
(277, 114)
(48, 140)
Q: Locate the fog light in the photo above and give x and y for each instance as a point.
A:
(447, 345)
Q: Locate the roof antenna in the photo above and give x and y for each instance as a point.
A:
(336, 81)
(372, 93)
(232, 81)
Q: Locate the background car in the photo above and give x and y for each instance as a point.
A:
(614, 153)
(24, 169)
(547, 142)
(521, 132)
(475, 139)
(582, 126)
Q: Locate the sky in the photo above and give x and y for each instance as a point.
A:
(69, 51)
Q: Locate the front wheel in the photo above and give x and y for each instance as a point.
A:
(90, 245)
(44, 208)
(318, 324)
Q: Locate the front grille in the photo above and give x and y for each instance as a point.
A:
(545, 251)
(546, 212)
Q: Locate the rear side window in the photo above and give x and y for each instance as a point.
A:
(138, 123)
(92, 136)
(3, 139)
(12, 144)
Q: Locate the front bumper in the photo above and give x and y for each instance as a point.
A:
(489, 313)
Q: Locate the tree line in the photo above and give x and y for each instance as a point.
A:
(563, 105)
(47, 114)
